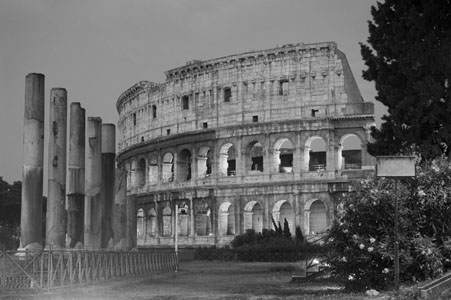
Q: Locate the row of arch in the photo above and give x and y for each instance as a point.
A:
(184, 166)
(149, 225)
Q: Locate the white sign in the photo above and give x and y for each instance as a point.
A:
(395, 166)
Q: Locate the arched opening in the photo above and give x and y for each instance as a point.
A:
(183, 219)
(283, 210)
(151, 222)
(316, 154)
(204, 161)
(134, 173)
(203, 219)
(283, 155)
(153, 169)
(254, 157)
(141, 172)
(140, 227)
(227, 219)
(168, 168)
(253, 216)
(227, 160)
(318, 217)
(167, 221)
(351, 152)
(184, 165)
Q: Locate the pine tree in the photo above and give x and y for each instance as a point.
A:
(409, 60)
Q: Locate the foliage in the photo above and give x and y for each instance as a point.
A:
(269, 245)
(362, 235)
(408, 59)
(9, 214)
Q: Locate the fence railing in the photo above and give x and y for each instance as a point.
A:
(51, 269)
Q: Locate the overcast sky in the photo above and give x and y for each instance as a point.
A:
(97, 49)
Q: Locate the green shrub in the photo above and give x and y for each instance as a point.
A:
(362, 236)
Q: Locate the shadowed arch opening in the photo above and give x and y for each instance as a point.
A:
(283, 155)
(253, 216)
(184, 165)
(168, 168)
(141, 173)
(227, 219)
(316, 154)
(254, 157)
(204, 162)
(283, 210)
(350, 152)
(318, 217)
(227, 160)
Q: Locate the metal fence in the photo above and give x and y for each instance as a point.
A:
(51, 269)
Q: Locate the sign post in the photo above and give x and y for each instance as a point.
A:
(176, 234)
(396, 167)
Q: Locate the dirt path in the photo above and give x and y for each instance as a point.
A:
(209, 280)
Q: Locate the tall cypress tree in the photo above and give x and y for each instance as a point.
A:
(409, 59)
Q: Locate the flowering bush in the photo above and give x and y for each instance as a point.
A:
(363, 234)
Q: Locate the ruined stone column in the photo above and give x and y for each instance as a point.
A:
(108, 174)
(32, 171)
(119, 214)
(76, 175)
(56, 200)
(93, 184)
(130, 228)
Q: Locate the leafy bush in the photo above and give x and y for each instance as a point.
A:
(362, 235)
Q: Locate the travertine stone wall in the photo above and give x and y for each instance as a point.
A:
(239, 140)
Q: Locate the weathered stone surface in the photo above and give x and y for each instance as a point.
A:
(108, 180)
(56, 199)
(33, 154)
(93, 185)
(76, 175)
(275, 133)
(119, 210)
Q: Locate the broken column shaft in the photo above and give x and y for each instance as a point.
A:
(76, 175)
(120, 209)
(56, 200)
(33, 153)
(108, 176)
(93, 185)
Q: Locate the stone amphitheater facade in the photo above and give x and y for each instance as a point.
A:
(240, 140)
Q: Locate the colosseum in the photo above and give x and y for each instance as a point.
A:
(238, 140)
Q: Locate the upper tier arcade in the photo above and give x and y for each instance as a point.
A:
(298, 82)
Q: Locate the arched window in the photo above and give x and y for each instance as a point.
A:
(351, 152)
(254, 157)
(153, 169)
(204, 161)
(141, 172)
(227, 160)
(151, 222)
(318, 217)
(253, 216)
(140, 227)
(284, 211)
(317, 154)
(227, 219)
(168, 168)
(184, 165)
(283, 155)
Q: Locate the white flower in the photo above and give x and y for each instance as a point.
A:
(345, 231)
(385, 271)
(370, 249)
(435, 168)
(421, 193)
(362, 246)
(372, 240)
(355, 236)
(344, 259)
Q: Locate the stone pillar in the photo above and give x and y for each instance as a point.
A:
(130, 227)
(108, 174)
(119, 214)
(56, 200)
(93, 185)
(33, 156)
(76, 175)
